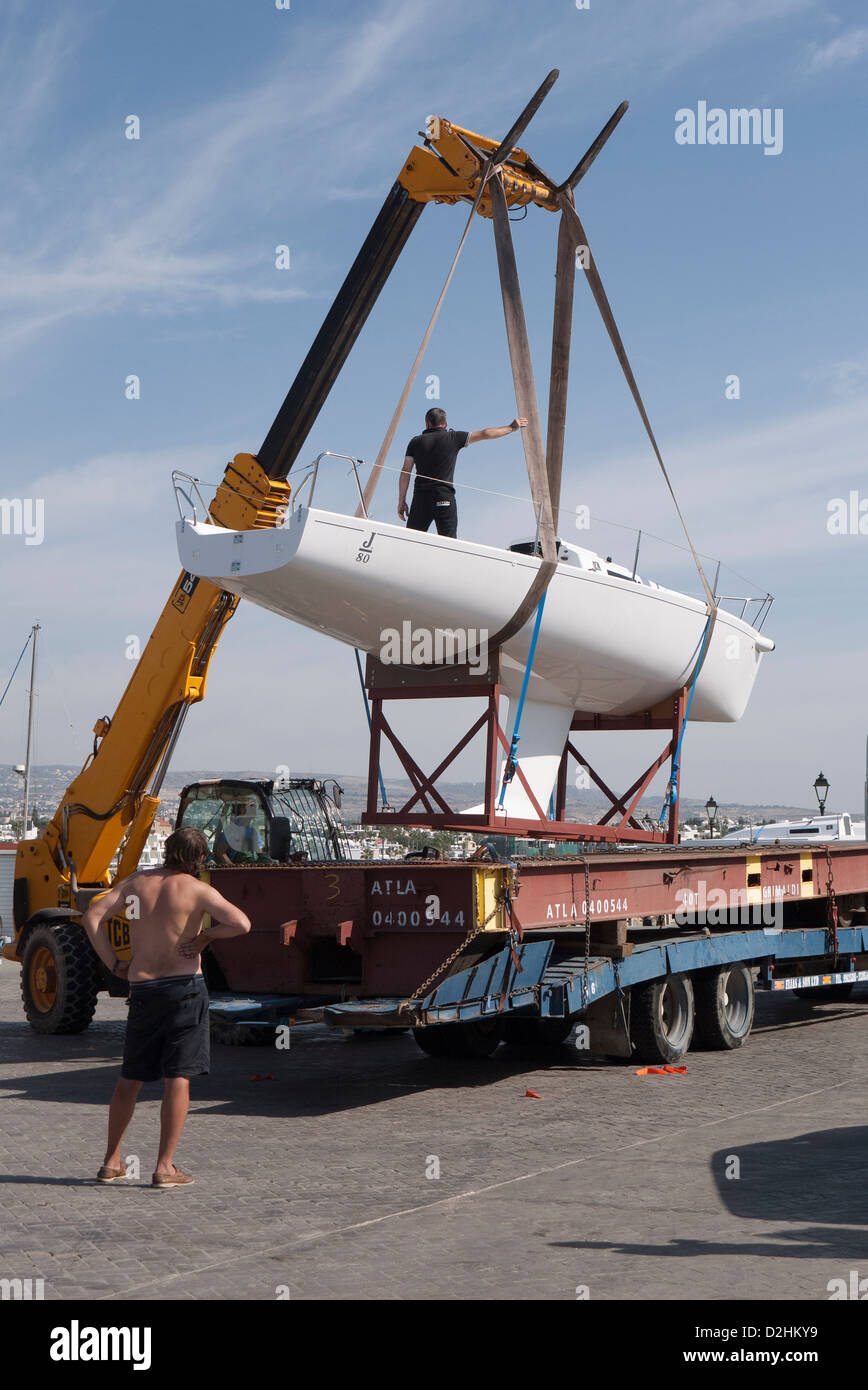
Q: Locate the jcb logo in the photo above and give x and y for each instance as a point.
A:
(119, 933)
(184, 591)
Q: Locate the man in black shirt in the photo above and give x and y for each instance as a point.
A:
(434, 452)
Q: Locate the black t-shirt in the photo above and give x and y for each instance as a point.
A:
(434, 453)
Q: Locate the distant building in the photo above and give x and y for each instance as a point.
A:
(155, 846)
(154, 851)
(462, 847)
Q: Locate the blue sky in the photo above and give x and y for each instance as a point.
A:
(260, 127)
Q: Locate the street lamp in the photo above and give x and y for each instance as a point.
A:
(821, 787)
(711, 812)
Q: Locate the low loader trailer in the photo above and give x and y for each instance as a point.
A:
(640, 951)
(643, 952)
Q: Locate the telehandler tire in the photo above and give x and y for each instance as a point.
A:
(59, 978)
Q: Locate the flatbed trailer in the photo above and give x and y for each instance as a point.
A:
(639, 952)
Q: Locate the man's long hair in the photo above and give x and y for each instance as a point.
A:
(186, 851)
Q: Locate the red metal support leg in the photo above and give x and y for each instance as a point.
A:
(492, 728)
(561, 784)
(374, 756)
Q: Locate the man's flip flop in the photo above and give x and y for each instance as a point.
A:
(110, 1174)
(177, 1178)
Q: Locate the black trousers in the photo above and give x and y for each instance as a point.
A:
(435, 504)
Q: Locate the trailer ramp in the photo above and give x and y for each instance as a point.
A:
(541, 979)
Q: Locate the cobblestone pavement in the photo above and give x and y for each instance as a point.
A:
(316, 1183)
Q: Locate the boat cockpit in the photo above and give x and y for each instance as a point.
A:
(584, 559)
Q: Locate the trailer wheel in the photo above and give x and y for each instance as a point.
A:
(661, 1019)
(59, 978)
(849, 908)
(725, 1003)
(477, 1039)
(536, 1032)
(824, 994)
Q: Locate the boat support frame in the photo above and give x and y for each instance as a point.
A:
(427, 806)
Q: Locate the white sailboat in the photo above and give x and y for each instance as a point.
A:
(609, 642)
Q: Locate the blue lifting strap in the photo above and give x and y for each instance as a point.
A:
(673, 780)
(512, 761)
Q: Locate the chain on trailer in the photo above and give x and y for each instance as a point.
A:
(515, 934)
(831, 906)
(587, 928)
(503, 900)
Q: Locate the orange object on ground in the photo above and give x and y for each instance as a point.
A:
(535, 1094)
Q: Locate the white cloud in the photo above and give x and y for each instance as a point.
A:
(691, 30)
(847, 48)
(757, 497)
(643, 43)
(845, 379)
(33, 63)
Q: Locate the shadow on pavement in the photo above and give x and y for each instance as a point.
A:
(322, 1073)
(818, 1177)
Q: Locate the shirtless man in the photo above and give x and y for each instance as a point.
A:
(167, 1030)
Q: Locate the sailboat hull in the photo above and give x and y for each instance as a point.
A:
(607, 645)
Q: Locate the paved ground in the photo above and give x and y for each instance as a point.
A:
(317, 1180)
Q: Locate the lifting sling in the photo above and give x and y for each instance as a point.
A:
(544, 462)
